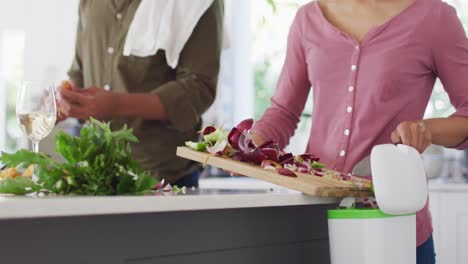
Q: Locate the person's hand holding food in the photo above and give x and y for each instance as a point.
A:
(85, 103)
(64, 85)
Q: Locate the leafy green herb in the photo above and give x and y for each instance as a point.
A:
(98, 162)
(19, 185)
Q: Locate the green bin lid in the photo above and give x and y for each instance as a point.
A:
(359, 214)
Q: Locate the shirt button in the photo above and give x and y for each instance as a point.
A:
(342, 153)
(356, 47)
(349, 109)
(110, 50)
(346, 132)
(118, 16)
(350, 89)
(353, 67)
(106, 87)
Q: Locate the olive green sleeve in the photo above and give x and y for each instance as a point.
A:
(75, 72)
(193, 91)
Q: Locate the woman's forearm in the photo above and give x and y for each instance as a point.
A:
(448, 132)
(141, 105)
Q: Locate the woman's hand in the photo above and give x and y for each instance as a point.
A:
(258, 140)
(85, 103)
(61, 116)
(414, 134)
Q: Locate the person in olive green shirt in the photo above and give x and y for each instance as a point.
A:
(162, 105)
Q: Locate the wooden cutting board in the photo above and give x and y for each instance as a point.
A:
(306, 183)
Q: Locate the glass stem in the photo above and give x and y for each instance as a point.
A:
(35, 147)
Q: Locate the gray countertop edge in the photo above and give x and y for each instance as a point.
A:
(30, 207)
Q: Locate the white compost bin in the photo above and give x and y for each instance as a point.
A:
(386, 235)
(369, 236)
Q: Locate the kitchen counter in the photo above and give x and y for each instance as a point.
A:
(236, 220)
(436, 186)
(213, 194)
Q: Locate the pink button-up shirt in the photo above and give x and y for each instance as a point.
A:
(362, 91)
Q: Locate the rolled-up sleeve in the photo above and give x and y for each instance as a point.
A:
(280, 120)
(193, 91)
(451, 61)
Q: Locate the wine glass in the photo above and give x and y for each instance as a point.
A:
(36, 110)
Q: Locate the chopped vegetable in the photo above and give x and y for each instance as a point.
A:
(176, 189)
(270, 163)
(159, 185)
(239, 146)
(218, 148)
(245, 125)
(216, 136)
(168, 188)
(316, 165)
(309, 157)
(198, 146)
(237, 131)
(208, 130)
(287, 158)
(290, 167)
(286, 172)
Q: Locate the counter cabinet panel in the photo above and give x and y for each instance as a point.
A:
(288, 234)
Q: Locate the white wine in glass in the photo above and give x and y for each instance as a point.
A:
(36, 110)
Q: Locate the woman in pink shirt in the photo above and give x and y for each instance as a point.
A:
(371, 66)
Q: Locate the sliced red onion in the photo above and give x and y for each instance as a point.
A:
(236, 132)
(233, 138)
(319, 173)
(238, 156)
(245, 141)
(208, 130)
(168, 188)
(308, 165)
(251, 145)
(291, 167)
(288, 161)
(309, 157)
(302, 168)
(255, 156)
(159, 185)
(345, 177)
(218, 148)
(266, 163)
(286, 157)
(271, 153)
(269, 167)
(286, 172)
(245, 125)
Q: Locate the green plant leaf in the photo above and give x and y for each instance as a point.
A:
(19, 185)
(25, 157)
(99, 162)
(145, 183)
